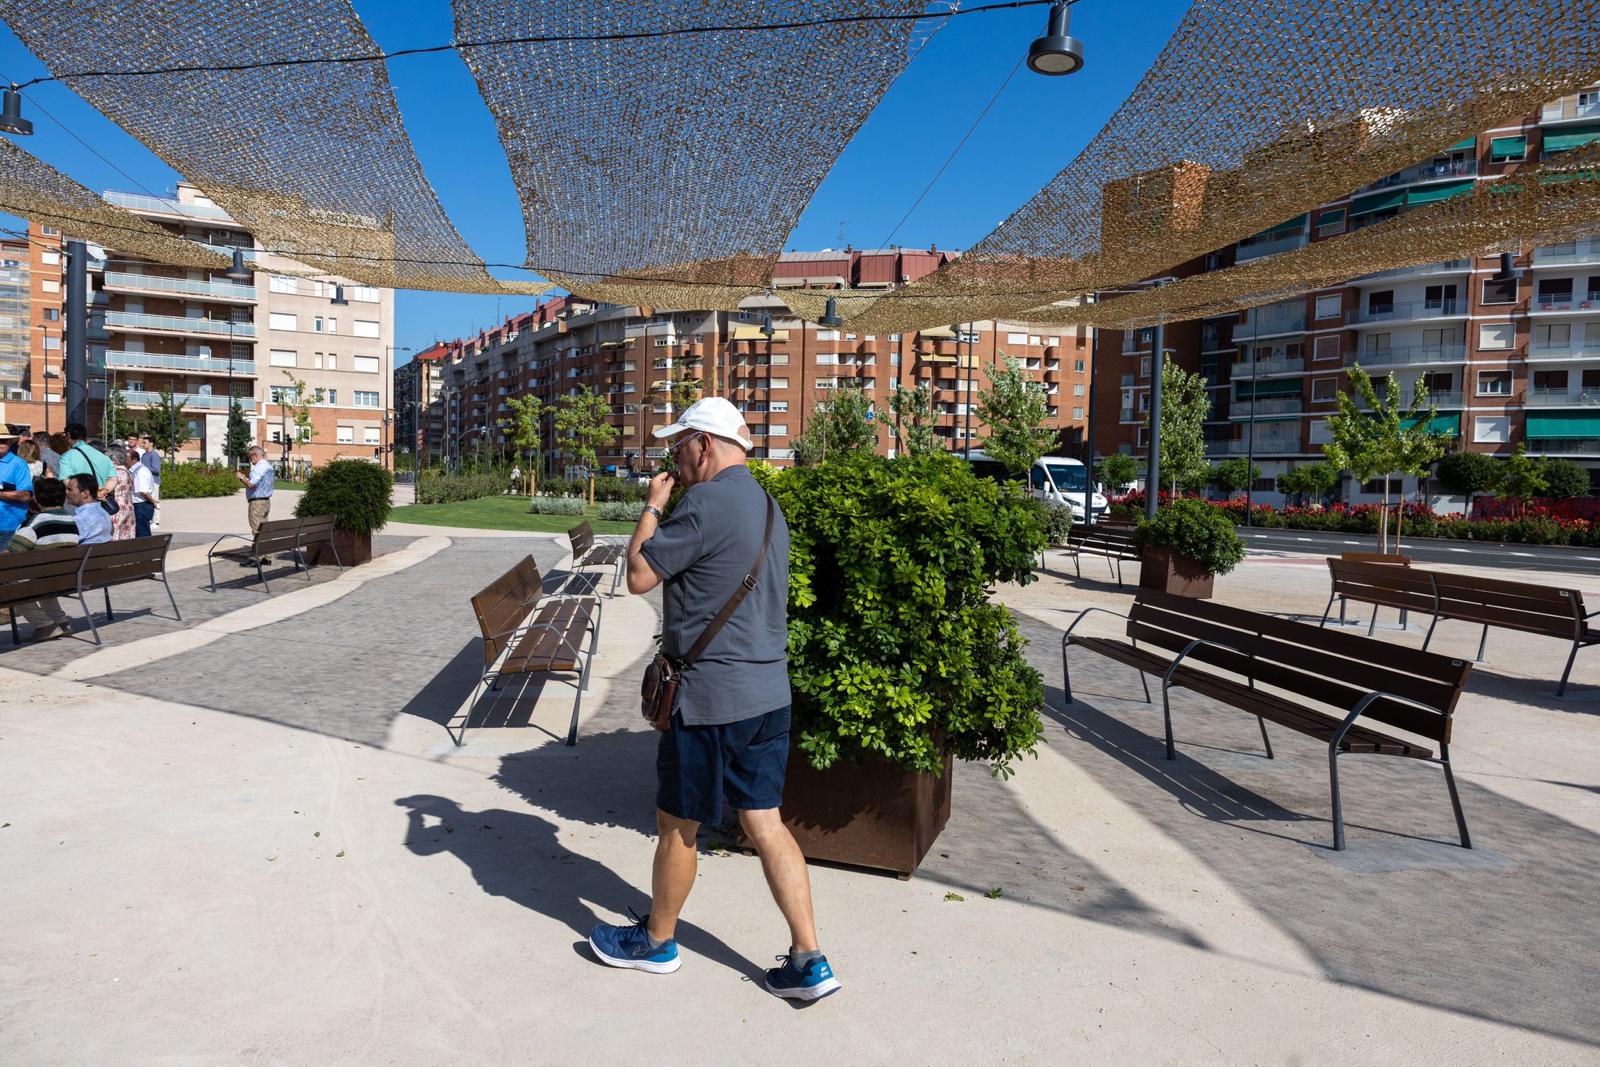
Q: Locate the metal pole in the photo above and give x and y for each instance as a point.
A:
(1152, 481)
(1250, 429)
(227, 433)
(75, 365)
(966, 430)
(1088, 433)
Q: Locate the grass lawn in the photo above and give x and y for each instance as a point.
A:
(500, 513)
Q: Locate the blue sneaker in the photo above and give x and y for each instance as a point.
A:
(629, 946)
(812, 982)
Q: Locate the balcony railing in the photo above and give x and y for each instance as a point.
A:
(1405, 355)
(116, 279)
(137, 202)
(1275, 405)
(1449, 266)
(1427, 172)
(1569, 302)
(1257, 368)
(1409, 309)
(136, 321)
(1265, 446)
(1448, 398)
(1568, 108)
(1256, 248)
(1585, 251)
(1255, 327)
(1564, 446)
(161, 361)
(1564, 350)
(198, 401)
(1560, 398)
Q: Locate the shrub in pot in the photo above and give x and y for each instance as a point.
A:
(356, 493)
(1186, 545)
(898, 659)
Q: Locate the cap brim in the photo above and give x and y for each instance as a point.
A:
(669, 431)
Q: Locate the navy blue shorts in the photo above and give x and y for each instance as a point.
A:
(744, 761)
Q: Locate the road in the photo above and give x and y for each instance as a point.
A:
(1434, 550)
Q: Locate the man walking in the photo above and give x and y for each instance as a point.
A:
(151, 458)
(143, 495)
(257, 487)
(728, 736)
(16, 490)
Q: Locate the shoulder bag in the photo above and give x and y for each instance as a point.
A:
(660, 690)
(107, 502)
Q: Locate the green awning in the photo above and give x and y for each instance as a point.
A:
(1462, 146)
(1502, 149)
(1293, 225)
(1586, 424)
(1569, 139)
(1331, 216)
(1431, 194)
(1450, 425)
(1366, 205)
(1270, 387)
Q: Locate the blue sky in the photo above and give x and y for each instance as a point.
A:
(1036, 128)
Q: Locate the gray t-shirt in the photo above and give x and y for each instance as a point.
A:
(702, 552)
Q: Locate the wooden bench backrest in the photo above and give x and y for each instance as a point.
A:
(502, 605)
(115, 562)
(1113, 536)
(581, 537)
(1375, 557)
(276, 535)
(315, 530)
(42, 572)
(1384, 583)
(1539, 609)
(1313, 664)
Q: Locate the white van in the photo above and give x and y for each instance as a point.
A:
(1054, 479)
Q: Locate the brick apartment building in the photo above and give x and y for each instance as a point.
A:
(1505, 362)
(208, 338)
(631, 355)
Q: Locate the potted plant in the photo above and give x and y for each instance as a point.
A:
(1184, 548)
(899, 660)
(356, 493)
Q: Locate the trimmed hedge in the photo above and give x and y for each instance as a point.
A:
(184, 481)
(356, 493)
(621, 511)
(555, 505)
(450, 488)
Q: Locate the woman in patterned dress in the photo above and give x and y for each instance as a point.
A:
(122, 492)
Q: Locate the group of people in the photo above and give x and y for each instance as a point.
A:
(65, 489)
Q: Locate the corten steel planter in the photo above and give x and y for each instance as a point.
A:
(353, 548)
(1169, 572)
(875, 815)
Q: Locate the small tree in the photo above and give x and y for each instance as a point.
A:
(294, 404)
(524, 425)
(1013, 408)
(1185, 406)
(238, 441)
(114, 420)
(1235, 475)
(1309, 479)
(1116, 470)
(1522, 478)
(1565, 479)
(165, 423)
(843, 426)
(1468, 473)
(581, 417)
(913, 419)
(1387, 439)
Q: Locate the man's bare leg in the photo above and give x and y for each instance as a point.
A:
(787, 877)
(672, 875)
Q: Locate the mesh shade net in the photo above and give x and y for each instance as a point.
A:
(313, 159)
(669, 173)
(1257, 111)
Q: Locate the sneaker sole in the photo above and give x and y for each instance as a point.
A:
(813, 992)
(636, 965)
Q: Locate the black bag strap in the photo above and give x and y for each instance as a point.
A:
(743, 590)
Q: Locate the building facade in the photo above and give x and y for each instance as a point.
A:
(1505, 361)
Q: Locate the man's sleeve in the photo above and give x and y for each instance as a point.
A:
(22, 541)
(24, 478)
(678, 543)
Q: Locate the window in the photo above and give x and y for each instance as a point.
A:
(282, 394)
(51, 257)
(1547, 336)
(1077, 366)
(277, 283)
(1325, 346)
(778, 405)
(1440, 298)
(1077, 389)
(316, 361)
(50, 286)
(1144, 367)
(827, 358)
(364, 293)
(365, 364)
(1330, 222)
(1508, 149)
(347, 435)
(366, 398)
(333, 326)
(778, 429)
(333, 361)
(1377, 342)
(1491, 429)
(1494, 383)
(1434, 341)
(1016, 338)
(1324, 390)
(1553, 291)
(333, 396)
(827, 335)
(366, 328)
(1496, 336)
(1146, 337)
(52, 314)
(369, 435)
(51, 344)
(282, 357)
(49, 231)
(316, 324)
(281, 320)
(1077, 413)
(1330, 307)
(1499, 292)
(1381, 303)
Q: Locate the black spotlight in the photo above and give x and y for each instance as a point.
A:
(830, 315)
(11, 120)
(1508, 271)
(338, 296)
(766, 326)
(1056, 53)
(237, 271)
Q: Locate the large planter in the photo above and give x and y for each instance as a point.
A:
(353, 548)
(1169, 572)
(876, 815)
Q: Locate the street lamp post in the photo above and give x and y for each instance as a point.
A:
(390, 350)
(966, 427)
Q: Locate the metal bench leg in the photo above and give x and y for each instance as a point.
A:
(212, 571)
(1077, 564)
(1455, 797)
(89, 615)
(1343, 603)
(1373, 625)
(1066, 678)
(16, 638)
(262, 575)
(109, 617)
(1325, 611)
(1265, 740)
(1403, 623)
(577, 699)
(1333, 784)
(1483, 643)
(1572, 657)
(170, 598)
(1166, 715)
(1429, 636)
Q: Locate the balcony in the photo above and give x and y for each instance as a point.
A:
(1406, 311)
(1256, 326)
(1263, 368)
(150, 283)
(1266, 446)
(139, 322)
(1255, 248)
(1564, 446)
(1560, 398)
(1568, 109)
(1432, 171)
(1565, 303)
(1585, 251)
(195, 401)
(1408, 356)
(1564, 350)
(1266, 407)
(162, 206)
(1447, 398)
(198, 364)
(1449, 266)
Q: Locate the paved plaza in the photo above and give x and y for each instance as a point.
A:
(248, 837)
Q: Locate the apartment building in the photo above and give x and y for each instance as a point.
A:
(778, 369)
(32, 283)
(416, 386)
(16, 319)
(1505, 361)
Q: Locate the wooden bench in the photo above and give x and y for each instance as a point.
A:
(526, 631)
(78, 569)
(1337, 688)
(293, 536)
(588, 552)
(1111, 540)
(1536, 609)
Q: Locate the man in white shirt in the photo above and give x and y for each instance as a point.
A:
(94, 523)
(144, 498)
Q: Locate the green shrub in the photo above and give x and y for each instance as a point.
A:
(620, 510)
(896, 652)
(182, 481)
(1565, 479)
(355, 492)
(449, 488)
(555, 505)
(1195, 529)
(1056, 520)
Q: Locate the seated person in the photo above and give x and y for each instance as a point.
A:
(52, 527)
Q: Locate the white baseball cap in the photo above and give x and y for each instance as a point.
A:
(712, 415)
